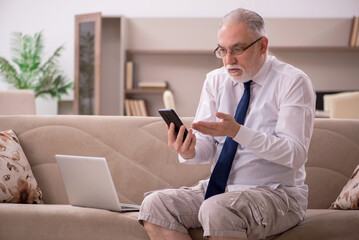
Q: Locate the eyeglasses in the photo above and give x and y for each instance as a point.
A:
(221, 53)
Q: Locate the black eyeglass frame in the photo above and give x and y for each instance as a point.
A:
(232, 51)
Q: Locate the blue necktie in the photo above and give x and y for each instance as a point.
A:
(219, 177)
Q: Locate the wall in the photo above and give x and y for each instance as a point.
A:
(56, 18)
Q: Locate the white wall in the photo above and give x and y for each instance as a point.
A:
(56, 18)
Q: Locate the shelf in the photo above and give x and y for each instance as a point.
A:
(144, 91)
(172, 34)
(275, 48)
(171, 51)
(145, 35)
(314, 49)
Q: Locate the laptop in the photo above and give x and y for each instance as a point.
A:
(88, 183)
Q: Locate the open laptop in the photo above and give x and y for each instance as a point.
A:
(88, 183)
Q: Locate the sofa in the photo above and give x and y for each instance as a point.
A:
(139, 159)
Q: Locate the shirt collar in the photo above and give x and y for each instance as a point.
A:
(262, 73)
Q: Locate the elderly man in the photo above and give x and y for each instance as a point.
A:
(254, 123)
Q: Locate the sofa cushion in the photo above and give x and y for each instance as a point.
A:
(349, 196)
(52, 221)
(17, 182)
(325, 224)
(333, 154)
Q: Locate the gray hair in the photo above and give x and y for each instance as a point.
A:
(253, 20)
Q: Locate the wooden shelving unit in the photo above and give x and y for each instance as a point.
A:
(320, 47)
(315, 49)
(144, 91)
(180, 51)
(99, 66)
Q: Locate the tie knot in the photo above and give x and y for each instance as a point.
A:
(247, 85)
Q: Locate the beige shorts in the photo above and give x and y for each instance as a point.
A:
(253, 213)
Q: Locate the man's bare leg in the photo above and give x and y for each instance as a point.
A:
(159, 233)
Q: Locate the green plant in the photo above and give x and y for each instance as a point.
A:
(28, 72)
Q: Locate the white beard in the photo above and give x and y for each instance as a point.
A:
(244, 77)
(248, 74)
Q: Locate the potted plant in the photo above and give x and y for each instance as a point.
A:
(29, 72)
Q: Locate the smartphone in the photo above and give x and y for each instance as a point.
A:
(169, 115)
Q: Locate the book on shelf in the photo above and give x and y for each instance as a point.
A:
(128, 108)
(152, 85)
(354, 36)
(142, 105)
(135, 107)
(129, 75)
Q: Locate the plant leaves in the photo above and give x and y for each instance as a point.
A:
(9, 72)
(28, 72)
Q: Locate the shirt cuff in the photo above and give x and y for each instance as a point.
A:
(244, 136)
(187, 161)
(181, 159)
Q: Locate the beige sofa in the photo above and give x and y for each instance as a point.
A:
(140, 161)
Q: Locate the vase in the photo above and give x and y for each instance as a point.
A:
(46, 106)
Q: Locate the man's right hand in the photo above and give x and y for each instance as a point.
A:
(185, 148)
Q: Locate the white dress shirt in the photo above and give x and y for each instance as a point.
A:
(274, 141)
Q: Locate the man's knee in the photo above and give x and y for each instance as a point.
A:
(154, 210)
(154, 202)
(175, 209)
(214, 213)
(209, 209)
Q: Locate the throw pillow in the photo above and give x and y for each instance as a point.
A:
(17, 182)
(349, 196)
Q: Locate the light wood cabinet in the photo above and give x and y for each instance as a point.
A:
(98, 65)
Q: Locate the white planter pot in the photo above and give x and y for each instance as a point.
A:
(46, 106)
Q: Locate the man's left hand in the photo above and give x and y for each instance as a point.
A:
(227, 127)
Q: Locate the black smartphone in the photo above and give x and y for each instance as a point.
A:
(169, 115)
